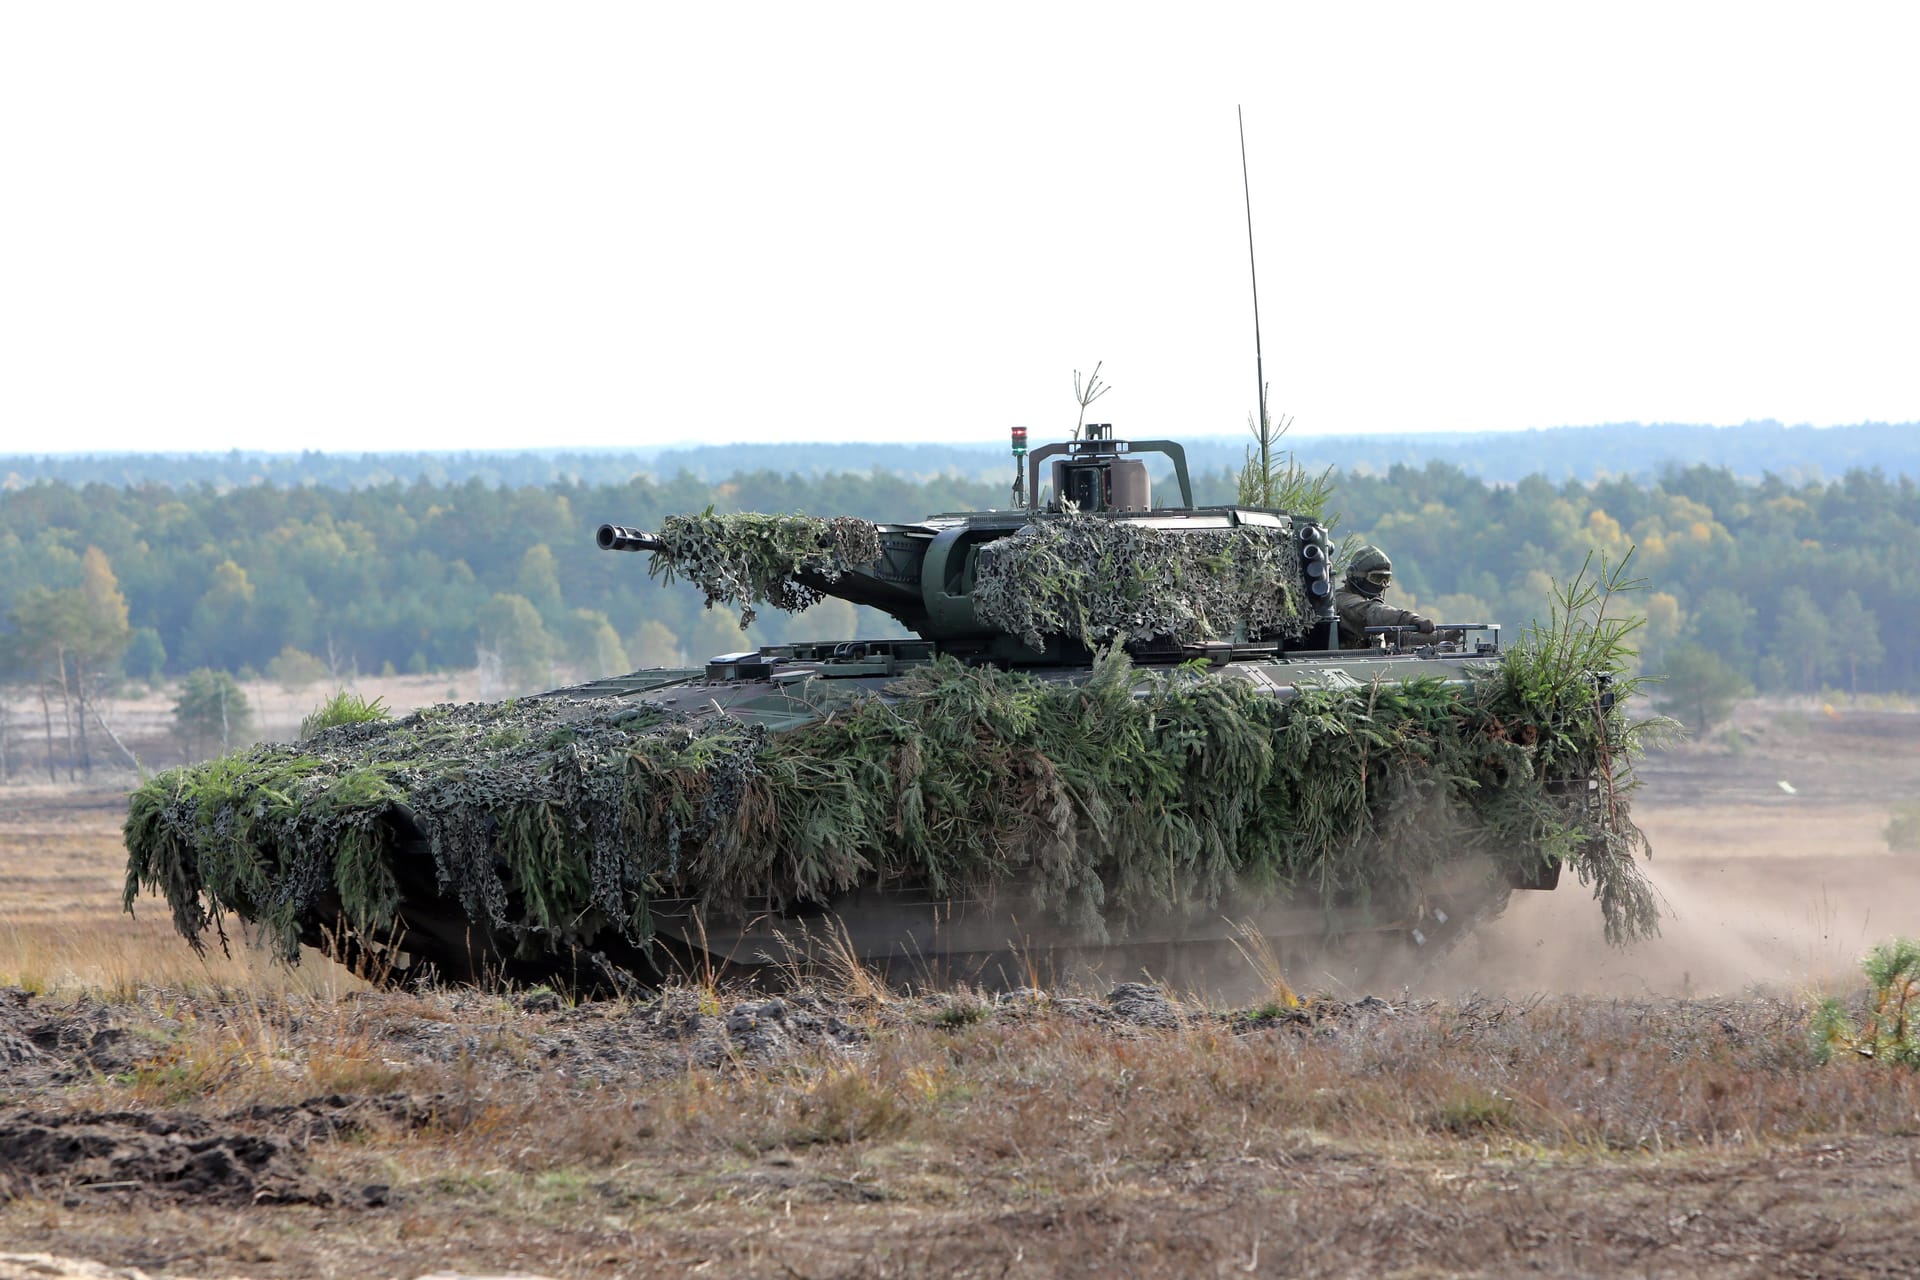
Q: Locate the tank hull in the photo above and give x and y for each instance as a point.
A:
(988, 935)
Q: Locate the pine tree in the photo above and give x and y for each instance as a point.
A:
(211, 708)
(1698, 687)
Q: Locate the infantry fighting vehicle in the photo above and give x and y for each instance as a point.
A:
(926, 576)
(1224, 615)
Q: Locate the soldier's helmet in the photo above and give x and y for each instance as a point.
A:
(1370, 572)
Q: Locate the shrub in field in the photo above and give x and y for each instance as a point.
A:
(1903, 828)
(295, 670)
(1891, 1032)
(211, 708)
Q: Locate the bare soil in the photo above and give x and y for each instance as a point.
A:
(1539, 1103)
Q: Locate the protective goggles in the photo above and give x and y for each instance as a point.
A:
(1380, 578)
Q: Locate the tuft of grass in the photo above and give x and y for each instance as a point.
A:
(702, 975)
(822, 954)
(850, 975)
(962, 1012)
(344, 707)
(846, 1104)
(184, 1074)
(1473, 1110)
(1257, 950)
(232, 1047)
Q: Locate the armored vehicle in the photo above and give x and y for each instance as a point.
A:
(1119, 724)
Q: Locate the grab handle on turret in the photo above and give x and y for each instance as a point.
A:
(617, 537)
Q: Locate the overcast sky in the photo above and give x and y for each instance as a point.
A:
(350, 226)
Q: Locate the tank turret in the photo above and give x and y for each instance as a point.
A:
(1168, 583)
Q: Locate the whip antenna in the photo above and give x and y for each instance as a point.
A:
(1246, 188)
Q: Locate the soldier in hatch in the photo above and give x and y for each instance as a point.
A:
(1360, 603)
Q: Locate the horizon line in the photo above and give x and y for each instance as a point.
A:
(964, 445)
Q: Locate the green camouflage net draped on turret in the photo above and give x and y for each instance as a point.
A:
(551, 820)
(748, 558)
(1100, 580)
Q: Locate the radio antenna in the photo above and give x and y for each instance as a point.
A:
(1259, 366)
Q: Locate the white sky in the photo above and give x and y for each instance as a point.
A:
(363, 226)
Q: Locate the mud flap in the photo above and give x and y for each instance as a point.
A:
(1544, 874)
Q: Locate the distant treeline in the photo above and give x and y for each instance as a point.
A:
(239, 468)
(1769, 584)
(1754, 450)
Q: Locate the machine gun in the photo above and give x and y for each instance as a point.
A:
(1443, 634)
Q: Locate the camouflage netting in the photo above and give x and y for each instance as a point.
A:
(748, 558)
(1101, 580)
(553, 821)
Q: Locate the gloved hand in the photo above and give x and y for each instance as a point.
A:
(1425, 626)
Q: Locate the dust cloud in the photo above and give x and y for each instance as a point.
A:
(1764, 887)
(1728, 928)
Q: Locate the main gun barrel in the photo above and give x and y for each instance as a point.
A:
(892, 583)
(617, 537)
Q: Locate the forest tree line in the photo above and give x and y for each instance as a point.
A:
(1766, 584)
(1751, 449)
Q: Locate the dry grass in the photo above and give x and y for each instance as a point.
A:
(62, 930)
(1563, 1076)
(496, 1122)
(246, 1049)
(1257, 949)
(1055, 1081)
(118, 958)
(824, 954)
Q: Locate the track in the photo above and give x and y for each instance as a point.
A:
(909, 939)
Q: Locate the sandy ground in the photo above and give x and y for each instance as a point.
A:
(1764, 886)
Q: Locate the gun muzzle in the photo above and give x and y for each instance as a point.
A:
(617, 537)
